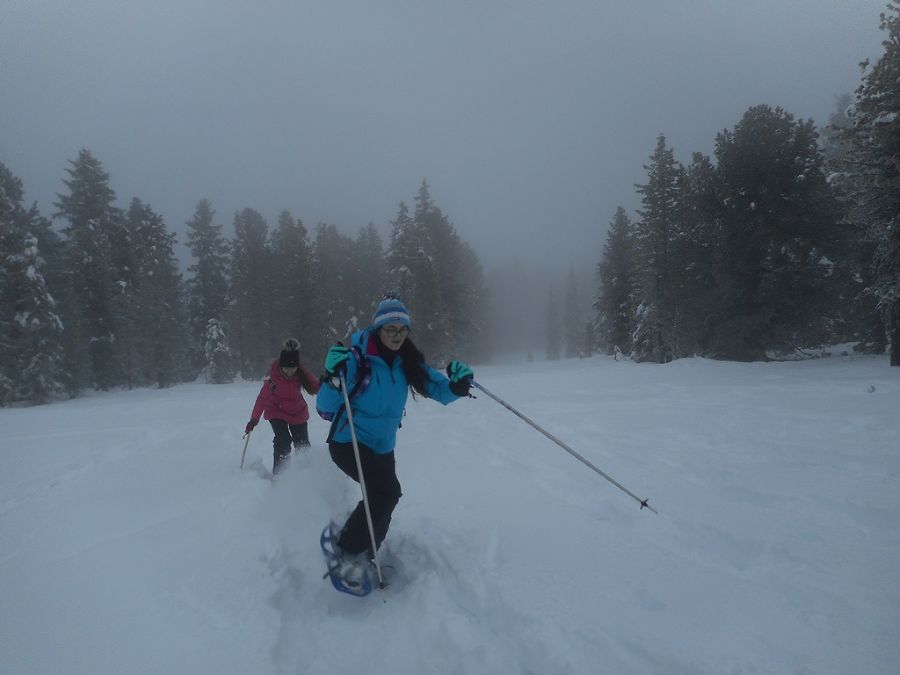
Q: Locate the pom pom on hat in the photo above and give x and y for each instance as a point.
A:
(390, 310)
(290, 354)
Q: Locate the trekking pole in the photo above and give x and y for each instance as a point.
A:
(642, 502)
(247, 436)
(362, 480)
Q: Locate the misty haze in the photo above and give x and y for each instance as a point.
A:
(668, 231)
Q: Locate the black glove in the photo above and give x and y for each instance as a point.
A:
(461, 388)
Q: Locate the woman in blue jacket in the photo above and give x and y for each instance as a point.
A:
(380, 367)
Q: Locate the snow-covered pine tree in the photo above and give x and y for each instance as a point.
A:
(51, 249)
(123, 252)
(653, 326)
(870, 172)
(219, 359)
(858, 317)
(208, 284)
(31, 332)
(132, 356)
(694, 252)
(91, 325)
(401, 254)
(831, 141)
(426, 302)
(615, 300)
(459, 276)
(778, 236)
(157, 312)
(250, 312)
(440, 279)
(292, 291)
(366, 274)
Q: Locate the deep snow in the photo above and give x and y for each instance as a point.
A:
(131, 542)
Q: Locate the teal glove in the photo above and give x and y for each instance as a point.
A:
(458, 371)
(336, 359)
(460, 377)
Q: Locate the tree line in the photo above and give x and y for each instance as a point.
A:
(102, 303)
(789, 238)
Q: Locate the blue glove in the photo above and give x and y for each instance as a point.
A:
(460, 377)
(336, 359)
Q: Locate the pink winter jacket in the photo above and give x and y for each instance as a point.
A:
(280, 397)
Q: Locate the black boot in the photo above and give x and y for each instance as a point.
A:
(278, 464)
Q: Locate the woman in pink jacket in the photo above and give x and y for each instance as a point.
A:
(281, 399)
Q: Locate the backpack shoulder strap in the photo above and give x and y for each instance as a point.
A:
(363, 372)
(363, 377)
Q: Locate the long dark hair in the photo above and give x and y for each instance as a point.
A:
(413, 362)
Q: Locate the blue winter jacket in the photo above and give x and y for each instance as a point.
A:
(378, 405)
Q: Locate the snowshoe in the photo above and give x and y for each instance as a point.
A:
(348, 573)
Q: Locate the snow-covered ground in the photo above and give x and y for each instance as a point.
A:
(131, 542)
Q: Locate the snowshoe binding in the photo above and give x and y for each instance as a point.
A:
(348, 573)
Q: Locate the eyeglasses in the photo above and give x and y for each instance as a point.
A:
(396, 332)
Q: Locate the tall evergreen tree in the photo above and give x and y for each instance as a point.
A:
(402, 253)
(870, 178)
(463, 295)
(51, 248)
(615, 301)
(292, 291)
(366, 274)
(439, 278)
(653, 338)
(157, 310)
(412, 272)
(31, 332)
(131, 356)
(833, 145)
(93, 224)
(219, 367)
(778, 234)
(694, 251)
(858, 317)
(334, 310)
(250, 313)
(208, 285)
(426, 302)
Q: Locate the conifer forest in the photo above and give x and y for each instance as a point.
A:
(785, 239)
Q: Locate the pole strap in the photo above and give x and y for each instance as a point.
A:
(643, 502)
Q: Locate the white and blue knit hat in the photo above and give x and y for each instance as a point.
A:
(390, 310)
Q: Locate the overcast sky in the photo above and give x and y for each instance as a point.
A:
(531, 120)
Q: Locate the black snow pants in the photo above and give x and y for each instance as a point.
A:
(285, 436)
(382, 488)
